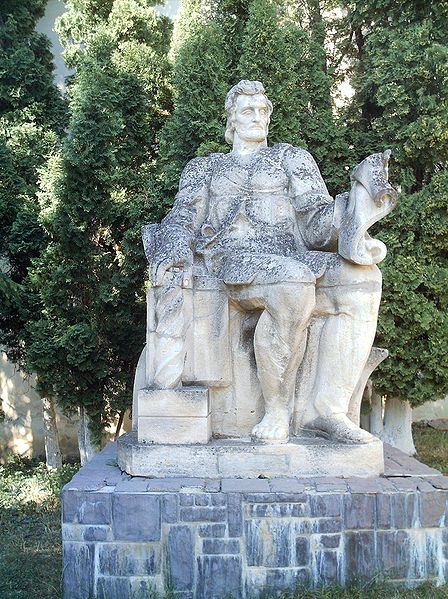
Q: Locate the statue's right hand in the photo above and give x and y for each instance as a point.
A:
(168, 260)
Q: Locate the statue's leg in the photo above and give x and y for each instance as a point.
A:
(348, 298)
(279, 343)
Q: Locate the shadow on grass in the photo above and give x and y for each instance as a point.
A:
(30, 529)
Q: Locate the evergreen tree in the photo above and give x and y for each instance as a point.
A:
(219, 42)
(284, 47)
(401, 102)
(32, 119)
(95, 196)
(205, 51)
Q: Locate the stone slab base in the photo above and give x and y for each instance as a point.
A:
(213, 538)
(172, 416)
(302, 456)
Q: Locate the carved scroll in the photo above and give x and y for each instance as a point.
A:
(370, 199)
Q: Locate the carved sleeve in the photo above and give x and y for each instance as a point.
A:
(183, 222)
(318, 215)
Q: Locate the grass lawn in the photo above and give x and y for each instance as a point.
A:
(432, 447)
(30, 530)
(30, 544)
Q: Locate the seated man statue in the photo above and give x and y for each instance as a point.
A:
(260, 220)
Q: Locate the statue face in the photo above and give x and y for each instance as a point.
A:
(251, 118)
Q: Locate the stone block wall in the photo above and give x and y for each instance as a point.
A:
(209, 539)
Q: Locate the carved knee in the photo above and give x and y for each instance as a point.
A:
(292, 303)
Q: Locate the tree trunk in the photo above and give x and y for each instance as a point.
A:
(398, 425)
(87, 448)
(52, 450)
(376, 415)
(119, 424)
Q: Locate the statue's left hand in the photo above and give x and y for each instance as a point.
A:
(371, 198)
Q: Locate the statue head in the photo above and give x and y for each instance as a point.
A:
(243, 97)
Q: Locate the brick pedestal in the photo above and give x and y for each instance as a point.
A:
(209, 539)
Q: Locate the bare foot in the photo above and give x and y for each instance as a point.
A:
(339, 427)
(273, 427)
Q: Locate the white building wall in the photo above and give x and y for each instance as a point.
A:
(21, 423)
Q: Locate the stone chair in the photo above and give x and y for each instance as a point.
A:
(209, 347)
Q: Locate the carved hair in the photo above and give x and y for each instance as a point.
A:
(246, 88)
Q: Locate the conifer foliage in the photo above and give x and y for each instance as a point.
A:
(32, 120)
(95, 196)
(219, 42)
(401, 102)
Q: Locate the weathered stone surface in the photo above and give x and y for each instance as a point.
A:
(115, 587)
(302, 547)
(286, 485)
(235, 514)
(202, 500)
(169, 509)
(219, 499)
(404, 483)
(245, 466)
(268, 542)
(328, 525)
(328, 484)
(360, 556)
(276, 497)
(185, 402)
(393, 550)
(86, 507)
(78, 571)
(180, 558)
(405, 510)
(238, 485)
(171, 431)
(261, 539)
(128, 559)
(277, 510)
(326, 505)
(219, 576)
(136, 517)
(186, 499)
(174, 484)
(432, 508)
(211, 484)
(439, 482)
(286, 578)
(224, 546)
(384, 510)
(359, 511)
(330, 541)
(132, 485)
(327, 567)
(77, 532)
(212, 530)
(203, 514)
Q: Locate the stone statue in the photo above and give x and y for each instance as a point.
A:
(260, 221)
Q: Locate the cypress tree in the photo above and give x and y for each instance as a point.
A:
(401, 102)
(95, 196)
(32, 121)
(284, 47)
(205, 52)
(219, 42)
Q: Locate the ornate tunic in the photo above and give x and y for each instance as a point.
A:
(259, 218)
